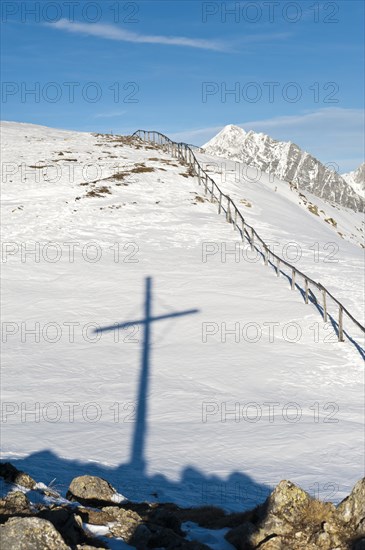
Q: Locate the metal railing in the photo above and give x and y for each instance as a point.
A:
(226, 205)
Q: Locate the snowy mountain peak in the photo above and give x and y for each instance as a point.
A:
(228, 138)
(286, 161)
(357, 180)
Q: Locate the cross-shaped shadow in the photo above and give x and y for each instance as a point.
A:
(139, 437)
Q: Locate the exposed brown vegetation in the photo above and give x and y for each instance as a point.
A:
(314, 209)
(99, 192)
(331, 221)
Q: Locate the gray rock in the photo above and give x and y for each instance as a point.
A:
(92, 490)
(13, 475)
(15, 504)
(352, 508)
(66, 522)
(126, 522)
(30, 534)
(290, 518)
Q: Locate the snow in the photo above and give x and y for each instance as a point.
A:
(212, 538)
(70, 395)
(286, 161)
(356, 179)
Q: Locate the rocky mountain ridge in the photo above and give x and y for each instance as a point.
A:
(286, 161)
(356, 179)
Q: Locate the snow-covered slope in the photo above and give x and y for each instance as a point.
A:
(286, 161)
(190, 412)
(357, 179)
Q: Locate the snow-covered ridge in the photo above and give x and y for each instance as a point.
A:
(357, 180)
(286, 161)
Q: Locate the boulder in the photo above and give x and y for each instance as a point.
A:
(15, 504)
(30, 534)
(125, 522)
(290, 518)
(352, 508)
(13, 475)
(93, 491)
(66, 522)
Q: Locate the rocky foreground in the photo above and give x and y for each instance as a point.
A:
(35, 517)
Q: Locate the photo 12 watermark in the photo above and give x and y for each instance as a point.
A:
(270, 92)
(63, 12)
(251, 332)
(269, 412)
(52, 252)
(270, 11)
(36, 92)
(54, 412)
(291, 251)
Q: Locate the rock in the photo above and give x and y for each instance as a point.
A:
(240, 536)
(15, 504)
(286, 501)
(126, 522)
(66, 522)
(352, 508)
(93, 491)
(94, 517)
(141, 537)
(167, 538)
(290, 518)
(13, 475)
(30, 534)
(276, 543)
(166, 518)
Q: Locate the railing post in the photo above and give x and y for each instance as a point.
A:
(266, 255)
(235, 217)
(306, 290)
(293, 278)
(206, 184)
(212, 192)
(340, 325)
(278, 267)
(252, 238)
(220, 202)
(243, 230)
(229, 215)
(324, 305)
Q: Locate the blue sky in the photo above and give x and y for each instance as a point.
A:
(296, 69)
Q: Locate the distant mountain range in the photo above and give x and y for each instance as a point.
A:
(286, 161)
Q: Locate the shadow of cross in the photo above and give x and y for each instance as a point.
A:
(139, 436)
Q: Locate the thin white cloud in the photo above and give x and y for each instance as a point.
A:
(330, 134)
(112, 32)
(112, 114)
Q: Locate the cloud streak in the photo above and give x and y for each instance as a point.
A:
(111, 32)
(112, 114)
